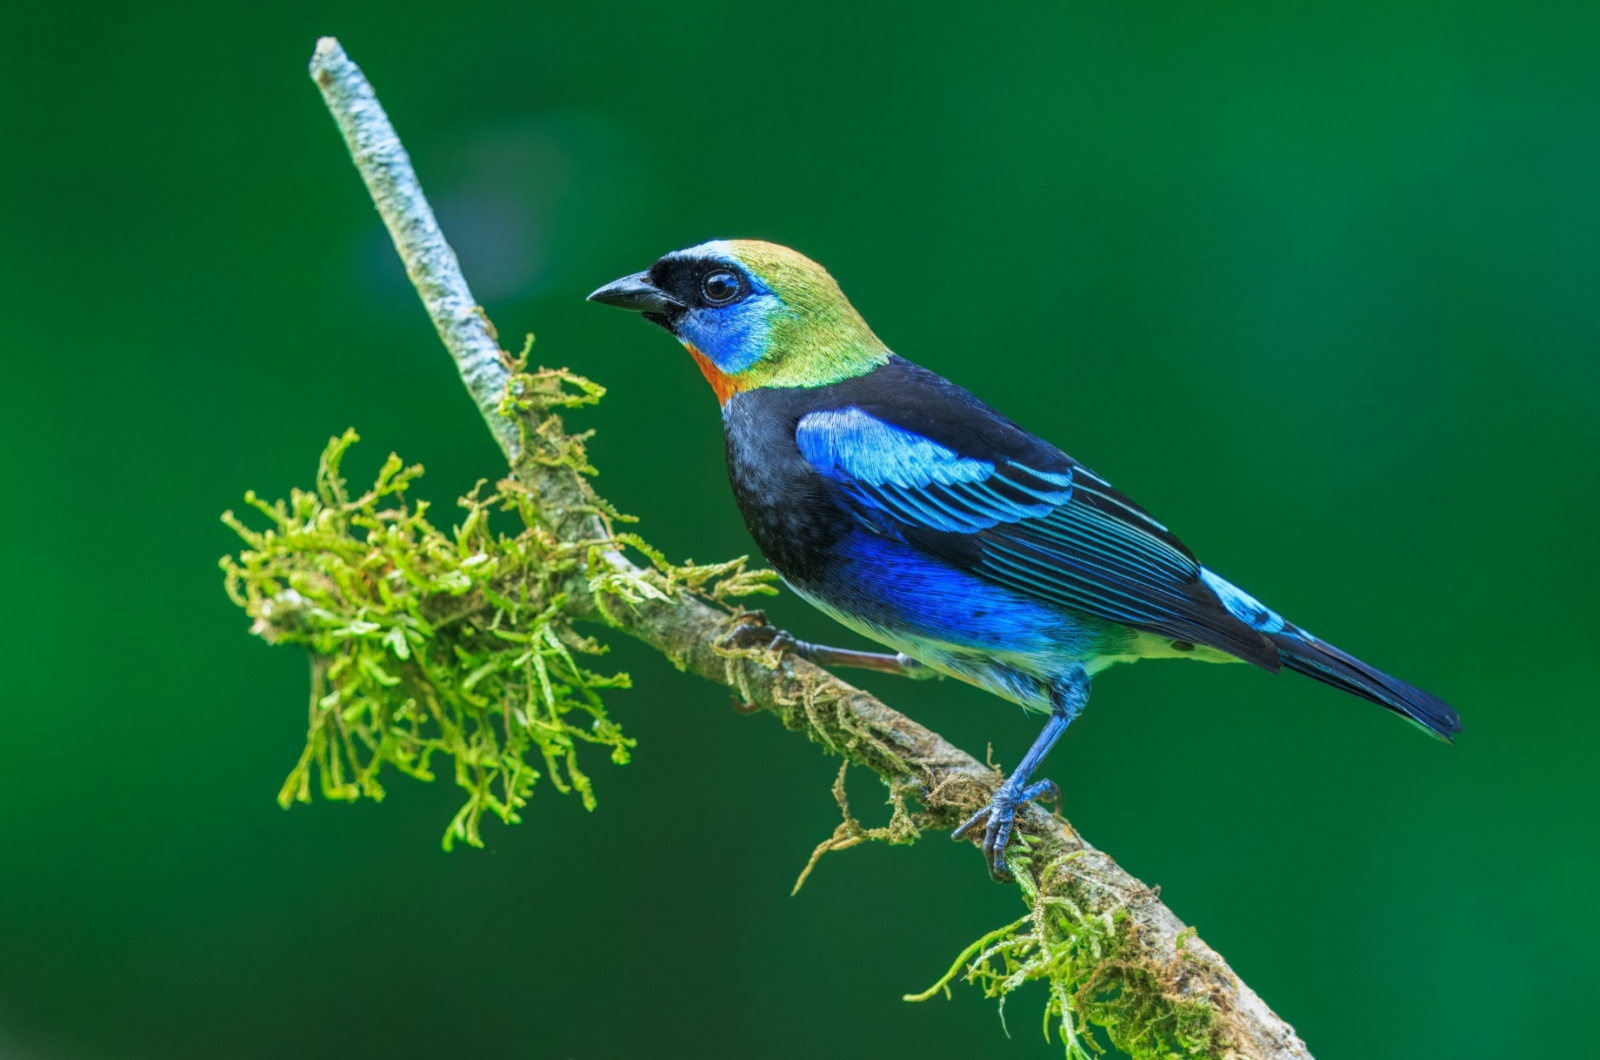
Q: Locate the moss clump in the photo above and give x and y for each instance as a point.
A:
(1096, 976)
(423, 642)
(457, 644)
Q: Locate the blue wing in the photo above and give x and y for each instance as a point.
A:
(917, 481)
(1019, 513)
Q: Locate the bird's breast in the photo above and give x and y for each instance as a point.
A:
(790, 510)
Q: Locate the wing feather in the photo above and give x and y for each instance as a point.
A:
(1022, 515)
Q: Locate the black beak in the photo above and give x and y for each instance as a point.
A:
(637, 293)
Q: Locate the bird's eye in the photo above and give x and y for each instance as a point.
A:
(720, 287)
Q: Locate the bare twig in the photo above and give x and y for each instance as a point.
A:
(1061, 867)
(429, 261)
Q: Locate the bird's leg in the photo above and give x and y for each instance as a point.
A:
(755, 633)
(1067, 698)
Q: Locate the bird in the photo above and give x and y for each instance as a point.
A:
(908, 510)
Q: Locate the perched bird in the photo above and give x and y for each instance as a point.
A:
(913, 513)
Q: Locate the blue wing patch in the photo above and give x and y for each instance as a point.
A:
(1242, 605)
(1060, 535)
(917, 481)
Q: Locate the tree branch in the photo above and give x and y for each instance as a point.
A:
(1138, 970)
(429, 261)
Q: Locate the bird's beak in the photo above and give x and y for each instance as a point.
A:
(637, 293)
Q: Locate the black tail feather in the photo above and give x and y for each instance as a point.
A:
(1304, 654)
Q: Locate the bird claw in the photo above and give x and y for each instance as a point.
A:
(997, 819)
(752, 631)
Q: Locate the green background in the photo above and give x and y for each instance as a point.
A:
(1316, 283)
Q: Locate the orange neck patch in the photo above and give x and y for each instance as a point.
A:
(722, 384)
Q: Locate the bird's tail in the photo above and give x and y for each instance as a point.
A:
(1303, 653)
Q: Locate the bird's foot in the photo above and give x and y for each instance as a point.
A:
(752, 631)
(997, 819)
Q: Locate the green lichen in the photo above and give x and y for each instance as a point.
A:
(1095, 975)
(901, 829)
(456, 645)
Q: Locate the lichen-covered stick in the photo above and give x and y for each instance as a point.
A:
(429, 261)
(1111, 953)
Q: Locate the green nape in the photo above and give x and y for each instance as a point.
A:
(818, 337)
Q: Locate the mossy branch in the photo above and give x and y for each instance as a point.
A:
(482, 622)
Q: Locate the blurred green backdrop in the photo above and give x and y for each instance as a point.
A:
(1315, 282)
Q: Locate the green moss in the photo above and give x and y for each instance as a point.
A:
(901, 829)
(457, 645)
(1095, 976)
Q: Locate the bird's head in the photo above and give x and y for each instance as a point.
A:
(752, 314)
